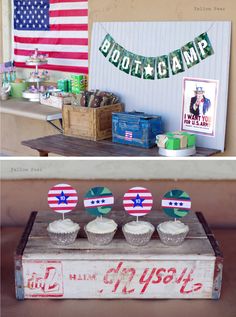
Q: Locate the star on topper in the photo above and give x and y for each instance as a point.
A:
(62, 199)
(148, 70)
(138, 201)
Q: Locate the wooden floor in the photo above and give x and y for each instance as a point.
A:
(70, 146)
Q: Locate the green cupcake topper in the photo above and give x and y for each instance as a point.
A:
(176, 203)
(98, 201)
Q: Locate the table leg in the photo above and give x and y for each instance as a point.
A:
(42, 153)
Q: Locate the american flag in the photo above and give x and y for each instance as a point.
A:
(128, 135)
(138, 201)
(62, 198)
(58, 28)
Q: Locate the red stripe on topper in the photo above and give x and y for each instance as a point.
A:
(62, 194)
(134, 202)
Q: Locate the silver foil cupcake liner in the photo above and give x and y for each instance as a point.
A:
(63, 238)
(138, 239)
(99, 238)
(172, 239)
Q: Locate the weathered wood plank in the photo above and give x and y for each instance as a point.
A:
(118, 270)
(118, 279)
(71, 146)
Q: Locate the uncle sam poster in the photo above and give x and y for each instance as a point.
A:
(199, 106)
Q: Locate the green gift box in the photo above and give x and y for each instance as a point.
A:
(191, 139)
(173, 143)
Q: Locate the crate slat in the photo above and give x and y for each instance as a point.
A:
(118, 270)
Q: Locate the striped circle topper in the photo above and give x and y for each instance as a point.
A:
(98, 201)
(138, 201)
(176, 203)
(62, 198)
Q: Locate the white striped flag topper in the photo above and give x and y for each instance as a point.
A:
(62, 198)
(138, 201)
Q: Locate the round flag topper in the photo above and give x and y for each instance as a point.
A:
(62, 198)
(138, 201)
(176, 203)
(98, 201)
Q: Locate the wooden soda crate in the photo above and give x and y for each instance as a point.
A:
(118, 270)
(89, 123)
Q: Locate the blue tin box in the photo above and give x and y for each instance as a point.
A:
(136, 128)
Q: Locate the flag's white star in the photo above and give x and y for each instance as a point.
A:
(148, 70)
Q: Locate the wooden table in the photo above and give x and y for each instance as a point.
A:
(71, 146)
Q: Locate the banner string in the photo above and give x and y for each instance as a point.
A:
(105, 30)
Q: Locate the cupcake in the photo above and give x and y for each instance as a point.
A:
(138, 232)
(63, 232)
(100, 231)
(172, 232)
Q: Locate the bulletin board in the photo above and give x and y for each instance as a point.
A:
(169, 96)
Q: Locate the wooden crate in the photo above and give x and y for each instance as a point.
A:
(89, 123)
(118, 270)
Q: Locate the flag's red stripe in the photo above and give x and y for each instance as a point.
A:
(68, 55)
(70, 69)
(68, 202)
(68, 13)
(63, 208)
(61, 1)
(131, 212)
(68, 27)
(129, 197)
(62, 188)
(52, 41)
(54, 195)
(132, 204)
(139, 191)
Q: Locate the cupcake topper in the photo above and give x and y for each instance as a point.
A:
(62, 198)
(176, 203)
(98, 201)
(138, 201)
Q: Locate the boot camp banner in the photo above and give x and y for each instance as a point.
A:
(159, 67)
(178, 70)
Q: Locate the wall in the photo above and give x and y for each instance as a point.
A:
(119, 169)
(169, 10)
(210, 184)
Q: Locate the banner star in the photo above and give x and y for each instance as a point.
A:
(138, 201)
(148, 70)
(62, 199)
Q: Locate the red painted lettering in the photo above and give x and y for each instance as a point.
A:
(195, 287)
(111, 272)
(159, 276)
(167, 279)
(146, 280)
(131, 272)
